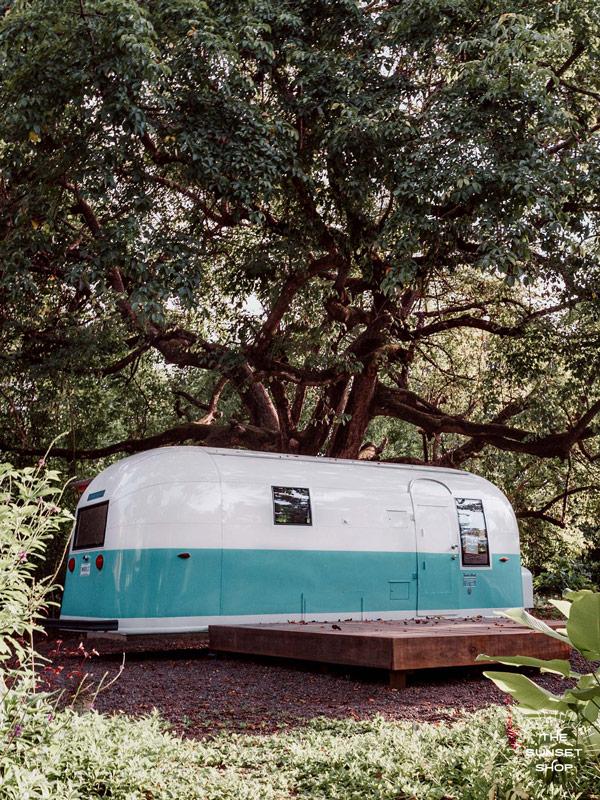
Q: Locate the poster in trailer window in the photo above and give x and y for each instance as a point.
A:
(473, 532)
(178, 538)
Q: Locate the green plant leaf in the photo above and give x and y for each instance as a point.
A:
(556, 665)
(524, 618)
(572, 595)
(583, 626)
(564, 606)
(584, 694)
(590, 712)
(526, 692)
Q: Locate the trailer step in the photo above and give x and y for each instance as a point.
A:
(82, 624)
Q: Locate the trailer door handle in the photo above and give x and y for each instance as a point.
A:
(183, 555)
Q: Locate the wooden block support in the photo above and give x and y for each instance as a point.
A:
(397, 679)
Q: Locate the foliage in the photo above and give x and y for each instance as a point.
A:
(29, 519)
(346, 212)
(92, 756)
(591, 553)
(564, 572)
(579, 705)
(328, 228)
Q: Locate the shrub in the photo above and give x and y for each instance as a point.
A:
(578, 708)
(29, 517)
(564, 572)
(93, 756)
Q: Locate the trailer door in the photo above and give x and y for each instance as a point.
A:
(438, 563)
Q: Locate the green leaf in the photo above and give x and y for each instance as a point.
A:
(526, 692)
(572, 595)
(583, 626)
(524, 618)
(555, 665)
(590, 712)
(584, 694)
(564, 606)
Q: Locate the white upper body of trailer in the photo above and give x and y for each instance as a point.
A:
(215, 497)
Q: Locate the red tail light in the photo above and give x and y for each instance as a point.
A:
(99, 562)
(71, 564)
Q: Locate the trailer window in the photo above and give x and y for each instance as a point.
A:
(474, 542)
(291, 506)
(91, 526)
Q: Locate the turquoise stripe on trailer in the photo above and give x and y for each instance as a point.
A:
(156, 583)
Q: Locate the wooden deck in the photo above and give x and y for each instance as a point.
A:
(399, 646)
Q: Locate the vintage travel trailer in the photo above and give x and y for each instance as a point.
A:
(174, 539)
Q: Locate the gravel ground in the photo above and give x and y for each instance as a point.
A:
(201, 694)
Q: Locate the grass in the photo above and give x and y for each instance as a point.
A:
(94, 756)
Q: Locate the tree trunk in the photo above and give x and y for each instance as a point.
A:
(348, 438)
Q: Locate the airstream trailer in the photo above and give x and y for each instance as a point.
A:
(174, 539)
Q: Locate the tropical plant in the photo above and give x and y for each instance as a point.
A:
(577, 709)
(29, 517)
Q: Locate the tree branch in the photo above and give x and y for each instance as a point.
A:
(234, 435)
(398, 403)
(130, 358)
(578, 51)
(556, 148)
(528, 514)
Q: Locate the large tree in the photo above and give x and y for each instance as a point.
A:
(312, 212)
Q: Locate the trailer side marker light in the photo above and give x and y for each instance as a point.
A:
(99, 561)
(183, 555)
(71, 564)
(81, 486)
(504, 559)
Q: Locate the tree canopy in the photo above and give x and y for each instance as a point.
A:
(341, 228)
